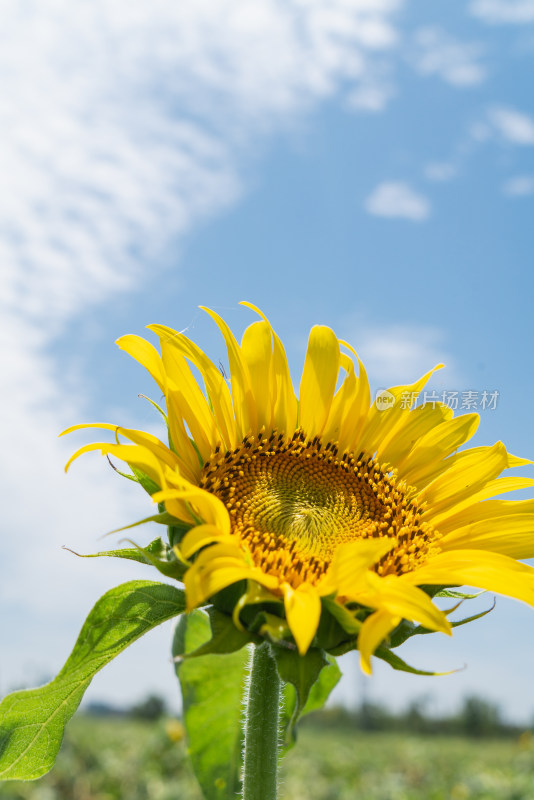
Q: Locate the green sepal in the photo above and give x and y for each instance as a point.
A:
(177, 530)
(197, 451)
(156, 554)
(157, 407)
(405, 630)
(227, 599)
(165, 561)
(419, 629)
(395, 661)
(346, 646)
(32, 721)
(309, 680)
(481, 614)
(455, 595)
(347, 619)
(225, 637)
(163, 518)
(331, 633)
(272, 627)
(150, 486)
(212, 690)
(130, 553)
(443, 590)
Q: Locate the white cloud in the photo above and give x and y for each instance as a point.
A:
(514, 126)
(519, 186)
(370, 97)
(123, 125)
(503, 11)
(440, 171)
(480, 131)
(375, 89)
(434, 52)
(392, 199)
(397, 354)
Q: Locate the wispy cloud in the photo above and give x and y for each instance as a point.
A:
(519, 186)
(514, 126)
(121, 129)
(374, 91)
(123, 126)
(440, 171)
(513, 12)
(397, 199)
(435, 52)
(400, 353)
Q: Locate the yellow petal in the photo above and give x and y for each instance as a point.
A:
(209, 508)
(383, 425)
(303, 611)
(319, 378)
(101, 425)
(132, 454)
(392, 594)
(200, 536)
(285, 408)
(257, 351)
(245, 410)
(501, 526)
(417, 424)
(350, 562)
(152, 443)
(185, 399)
(515, 461)
(217, 567)
(440, 442)
(200, 587)
(491, 571)
(216, 386)
(356, 405)
(373, 632)
(146, 354)
(470, 509)
(467, 475)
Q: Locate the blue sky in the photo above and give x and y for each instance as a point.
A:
(366, 164)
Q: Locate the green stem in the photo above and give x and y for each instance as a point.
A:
(260, 753)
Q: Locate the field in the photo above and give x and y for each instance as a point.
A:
(112, 759)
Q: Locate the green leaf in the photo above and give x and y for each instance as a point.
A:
(32, 721)
(309, 680)
(212, 691)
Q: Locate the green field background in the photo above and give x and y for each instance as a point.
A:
(124, 759)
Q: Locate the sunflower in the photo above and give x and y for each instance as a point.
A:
(326, 501)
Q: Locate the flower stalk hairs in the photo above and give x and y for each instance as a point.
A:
(305, 526)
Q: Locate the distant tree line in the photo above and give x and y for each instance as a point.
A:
(476, 717)
(151, 709)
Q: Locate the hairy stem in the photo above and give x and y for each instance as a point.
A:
(260, 753)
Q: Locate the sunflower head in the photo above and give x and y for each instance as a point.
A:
(323, 520)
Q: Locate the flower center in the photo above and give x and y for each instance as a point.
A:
(292, 502)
